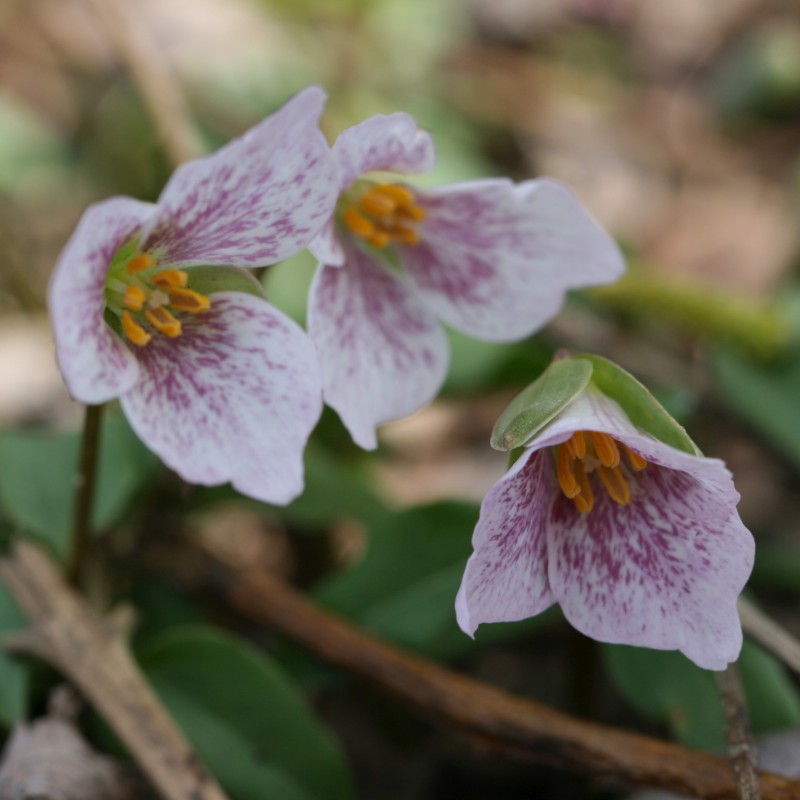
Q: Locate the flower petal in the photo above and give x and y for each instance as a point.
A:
(392, 143)
(258, 200)
(234, 398)
(96, 364)
(383, 354)
(506, 577)
(495, 259)
(663, 572)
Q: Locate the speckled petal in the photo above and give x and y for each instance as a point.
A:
(97, 366)
(234, 398)
(258, 200)
(663, 572)
(495, 259)
(383, 354)
(506, 576)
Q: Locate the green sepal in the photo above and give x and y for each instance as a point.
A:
(207, 280)
(643, 410)
(536, 406)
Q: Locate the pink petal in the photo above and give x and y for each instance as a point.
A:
(96, 364)
(506, 577)
(495, 259)
(663, 572)
(390, 143)
(383, 354)
(234, 398)
(258, 200)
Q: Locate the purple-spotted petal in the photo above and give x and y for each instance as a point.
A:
(234, 398)
(96, 364)
(663, 572)
(495, 259)
(383, 143)
(506, 576)
(383, 354)
(258, 200)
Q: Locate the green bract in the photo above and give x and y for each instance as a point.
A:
(207, 280)
(535, 407)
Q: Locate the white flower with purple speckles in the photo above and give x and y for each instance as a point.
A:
(490, 258)
(640, 543)
(217, 382)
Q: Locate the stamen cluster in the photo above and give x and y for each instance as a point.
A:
(385, 213)
(590, 451)
(144, 296)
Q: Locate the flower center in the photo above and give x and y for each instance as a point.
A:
(587, 452)
(146, 298)
(385, 213)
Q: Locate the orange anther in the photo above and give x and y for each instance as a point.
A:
(188, 300)
(576, 445)
(134, 298)
(163, 321)
(140, 262)
(402, 195)
(634, 459)
(404, 235)
(584, 500)
(377, 203)
(170, 277)
(413, 212)
(616, 485)
(134, 331)
(358, 223)
(379, 238)
(605, 448)
(564, 470)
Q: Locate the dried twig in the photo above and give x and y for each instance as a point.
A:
(91, 653)
(741, 747)
(515, 727)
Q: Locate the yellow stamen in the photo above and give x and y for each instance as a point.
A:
(564, 470)
(358, 223)
(134, 298)
(576, 445)
(412, 212)
(141, 262)
(378, 239)
(605, 448)
(584, 500)
(378, 204)
(164, 322)
(188, 300)
(616, 485)
(405, 235)
(171, 277)
(134, 331)
(634, 459)
(401, 195)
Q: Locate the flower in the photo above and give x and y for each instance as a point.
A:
(219, 384)
(638, 541)
(488, 257)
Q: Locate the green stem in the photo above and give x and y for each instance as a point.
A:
(85, 480)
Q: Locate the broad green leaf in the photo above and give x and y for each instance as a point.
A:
(37, 479)
(244, 716)
(668, 688)
(764, 396)
(638, 403)
(540, 402)
(13, 672)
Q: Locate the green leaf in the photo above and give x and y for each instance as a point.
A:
(207, 280)
(13, 672)
(244, 717)
(540, 402)
(37, 479)
(668, 688)
(638, 403)
(764, 396)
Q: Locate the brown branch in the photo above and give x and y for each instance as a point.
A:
(92, 654)
(741, 747)
(515, 727)
(154, 80)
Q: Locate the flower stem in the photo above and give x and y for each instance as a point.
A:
(85, 480)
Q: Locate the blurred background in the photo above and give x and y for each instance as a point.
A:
(678, 125)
